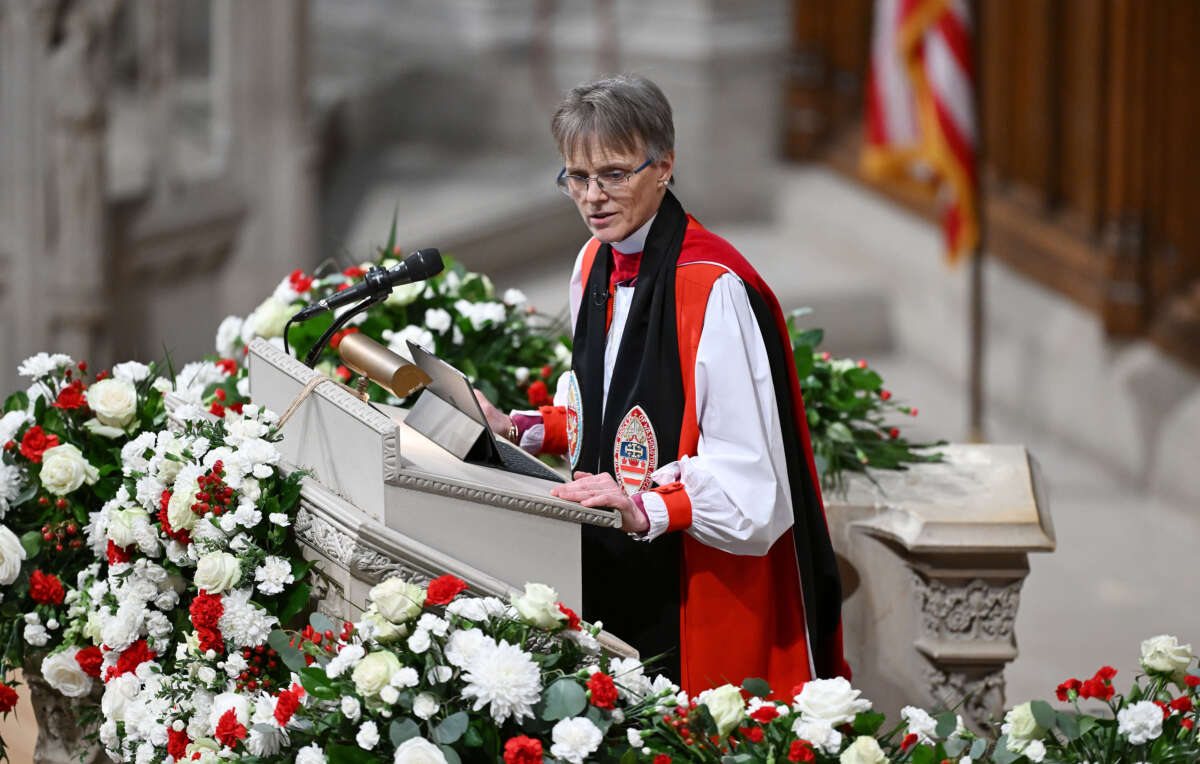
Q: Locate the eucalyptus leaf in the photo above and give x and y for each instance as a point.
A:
(757, 687)
(320, 622)
(978, 748)
(1001, 754)
(1043, 714)
(451, 728)
(946, 724)
(563, 699)
(31, 542)
(450, 754)
(402, 729)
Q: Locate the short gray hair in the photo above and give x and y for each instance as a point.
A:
(626, 112)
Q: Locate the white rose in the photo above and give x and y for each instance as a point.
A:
(832, 700)
(1163, 654)
(418, 750)
(397, 600)
(539, 606)
(382, 630)
(1021, 726)
(113, 401)
(405, 293)
(63, 673)
(64, 469)
(374, 672)
(864, 750)
(425, 705)
(217, 572)
(438, 320)
(725, 705)
(123, 525)
(269, 318)
(179, 506)
(11, 556)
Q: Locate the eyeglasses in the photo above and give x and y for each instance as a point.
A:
(611, 182)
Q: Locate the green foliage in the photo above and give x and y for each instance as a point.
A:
(847, 408)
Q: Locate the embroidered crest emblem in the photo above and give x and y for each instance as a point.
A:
(574, 418)
(635, 452)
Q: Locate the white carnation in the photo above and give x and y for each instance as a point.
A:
(398, 341)
(243, 623)
(819, 732)
(465, 645)
(37, 366)
(310, 754)
(1141, 722)
(575, 739)
(228, 332)
(920, 723)
(130, 371)
(514, 297)
(368, 736)
(36, 634)
(273, 575)
(351, 708)
(11, 423)
(425, 705)
(470, 608)
(438, 320)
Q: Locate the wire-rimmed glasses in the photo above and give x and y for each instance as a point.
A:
(611, 182)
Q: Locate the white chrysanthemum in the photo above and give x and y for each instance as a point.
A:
(505, 678)
(274, 574)
(12, 480)
(243, 623)
(1140, 722)
(228, 332)
(37, 366)
(920, 723)
(575, 739)
(465, 645)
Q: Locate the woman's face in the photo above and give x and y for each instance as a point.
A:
(614, 212)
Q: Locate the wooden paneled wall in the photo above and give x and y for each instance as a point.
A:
(1089, 111)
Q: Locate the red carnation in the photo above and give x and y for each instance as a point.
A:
(35, 442)
(287, 703)
(117, 554)
(523, 750)
(1063, 689)
(229, 730)
(227, 365)
(443, 589)
(90, 660)
(1096, 688)
(354, 272)
(572, 617)
(764, 713)
(217, 410)
(1187, 724)
(1182, 704)
(45, 588)
(177, 743)
(662, 758)
(210, 639)
(753, 734)
(299, 282)
(206, 609)
(539, 394)
(1106, 673)
(547, 370)
(130, 658)
(8, 699)
(71, 397)
(797, 689)
(1191, 680)
(337, 337)
(604, 691)
(801, 750)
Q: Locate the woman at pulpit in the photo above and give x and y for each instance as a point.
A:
(683, 411)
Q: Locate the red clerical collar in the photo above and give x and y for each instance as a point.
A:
(625, 268)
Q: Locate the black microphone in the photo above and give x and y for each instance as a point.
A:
(420, 265)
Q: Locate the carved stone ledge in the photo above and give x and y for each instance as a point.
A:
(979, 697)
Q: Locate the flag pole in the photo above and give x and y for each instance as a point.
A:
(975, 402)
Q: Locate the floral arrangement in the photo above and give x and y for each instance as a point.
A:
(847, 407)
(507, 349)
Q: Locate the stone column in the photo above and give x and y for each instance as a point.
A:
(262, 129)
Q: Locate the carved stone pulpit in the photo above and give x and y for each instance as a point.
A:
(382, 499)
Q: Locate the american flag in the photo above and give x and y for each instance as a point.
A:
(921, 107)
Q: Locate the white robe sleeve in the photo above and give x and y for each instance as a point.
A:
(737, 483)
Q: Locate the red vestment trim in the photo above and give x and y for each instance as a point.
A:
(554, 418)
(679, 506)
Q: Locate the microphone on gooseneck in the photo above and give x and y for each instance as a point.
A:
(420, 265)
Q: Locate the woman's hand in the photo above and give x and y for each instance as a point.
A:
(499, 422)
(603, 491)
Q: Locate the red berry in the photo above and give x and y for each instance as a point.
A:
(76, 543)
(913, 412)
(45, 529)
(43, 501)
(862, 364)
(885, 395)
(825, 356)
(48, 536)
(10, 445)
(894, 433)
(61, 503)
(58, 547)
(71, 529)
(102, 375)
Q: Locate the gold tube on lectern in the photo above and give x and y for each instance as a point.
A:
(367, 357)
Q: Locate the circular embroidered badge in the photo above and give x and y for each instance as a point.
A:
(574, 418)
(635, 451)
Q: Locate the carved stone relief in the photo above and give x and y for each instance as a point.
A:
(60, 735)
(966, 609)
(981, 695)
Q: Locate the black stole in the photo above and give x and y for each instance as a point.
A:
(633, 586)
